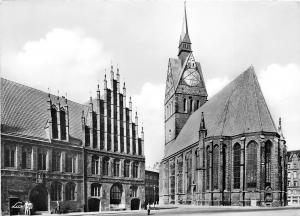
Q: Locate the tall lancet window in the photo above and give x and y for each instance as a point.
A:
(251, 166)
(184, 105)
(216, 156)
(189, 173)
(95, 138)
(207, 168)
(236, 165)
(63, 124)
(268, 155)
(54, 123)
(87, 136)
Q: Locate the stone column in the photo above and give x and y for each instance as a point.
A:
(58, 118)
(100, 165)
(34, 158)
(130, 126)
(130, 169)
(105, 113)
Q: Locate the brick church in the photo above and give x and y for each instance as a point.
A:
(222, 151)
(88, 157)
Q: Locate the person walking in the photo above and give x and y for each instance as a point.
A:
(30, 206)
(26, 207)
(148, 209)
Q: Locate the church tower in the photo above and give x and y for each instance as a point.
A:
(185, 87)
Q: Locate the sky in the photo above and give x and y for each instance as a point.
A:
(68, 45)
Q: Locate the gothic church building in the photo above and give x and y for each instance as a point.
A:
(225, 151)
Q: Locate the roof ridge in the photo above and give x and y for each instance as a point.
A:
(41, 91)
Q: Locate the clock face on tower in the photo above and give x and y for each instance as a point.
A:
(191, 77)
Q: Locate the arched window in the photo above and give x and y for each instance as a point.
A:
(216, 156)
(115, 194)
(54, 123)
(105, 166)
(56, 161)
(251, 166)
(63, 124)
(95, 165)
(70, 191)
(207, 168)
(116, 167)
(236, 165)
(9, 155)
(96, 189)
(26, 157)
(189, 173)
(191, 105)
(56, 191)
(184, 105)
(179, 175)
(87, 136)
(126, 168)
(268, 155)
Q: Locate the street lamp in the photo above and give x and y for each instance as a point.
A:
(154, 197)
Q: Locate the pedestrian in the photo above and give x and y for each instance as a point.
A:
(26, 208)
(148, 209)
(57, 207)
(30, 206)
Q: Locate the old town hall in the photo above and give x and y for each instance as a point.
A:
(222, 151)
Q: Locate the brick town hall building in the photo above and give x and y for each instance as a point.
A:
(86, 156)
(225, 151)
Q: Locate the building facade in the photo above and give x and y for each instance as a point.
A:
(293, 178)
(151, 186)
(225, 151)
(89, 157)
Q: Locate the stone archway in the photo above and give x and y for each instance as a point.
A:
(135, 204)
(93, 204)
(39, 198)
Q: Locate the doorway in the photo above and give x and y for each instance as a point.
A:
(135, 204)
(39, 198)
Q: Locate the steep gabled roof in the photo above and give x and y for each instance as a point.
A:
(24, 112)
(238, 108)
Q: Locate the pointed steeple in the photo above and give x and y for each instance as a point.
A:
(185, 41)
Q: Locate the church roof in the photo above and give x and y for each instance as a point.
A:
(238, 108)
(24, 112)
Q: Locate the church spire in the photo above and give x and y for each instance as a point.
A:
(184, 42)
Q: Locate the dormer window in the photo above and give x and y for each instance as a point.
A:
(63, 124)
(54, 122)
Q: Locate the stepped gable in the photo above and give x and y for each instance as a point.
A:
(24, 112)
(238, 108)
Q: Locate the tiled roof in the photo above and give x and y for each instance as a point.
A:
(24, 112)
(238, 108)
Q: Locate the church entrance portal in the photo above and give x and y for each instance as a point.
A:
(93, 204)
(135, 204)
(39, 198)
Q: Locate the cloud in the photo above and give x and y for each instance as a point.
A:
(65, 60)
(150, 105)
(280, 86)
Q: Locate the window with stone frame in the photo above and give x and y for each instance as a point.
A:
(70, 163)
(87, 136)
(208, 179)
(56, 160)
(42, 158)
(172, 178)
(236, 165)
(95, 189)
(95, 165)
(54, 122)
(126, 168)
(56, 191)
(179, 175)
(116, 167)
(189, 171)
(251, 165)
(70, 191)
(116, 194)
(95, 136)
(63, 130)
(9, 155)
(268, 163)
(216, 156)
(105, 166)
(133, 191)
(26, 157)
(135, 168)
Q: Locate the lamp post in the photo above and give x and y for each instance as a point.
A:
(154, 197)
